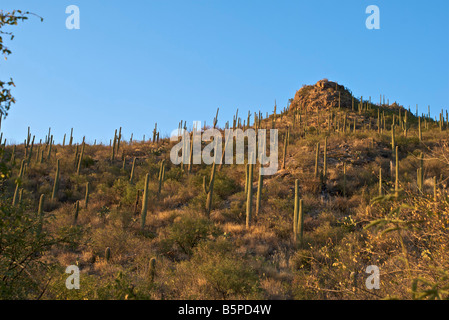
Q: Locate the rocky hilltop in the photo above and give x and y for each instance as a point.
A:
(324, 94)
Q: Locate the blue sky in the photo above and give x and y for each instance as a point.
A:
(135, 63)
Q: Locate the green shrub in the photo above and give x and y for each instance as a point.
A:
(188, 232)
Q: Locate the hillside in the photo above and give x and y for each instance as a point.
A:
(371, 182)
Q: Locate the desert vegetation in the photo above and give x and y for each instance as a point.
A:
(359, 184)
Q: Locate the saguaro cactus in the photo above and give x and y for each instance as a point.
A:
(143, 215)
(344, 180)
(249, 197)
(421, 162)
(317, 160)
(189, 168)
(77, 210)
(31, 150)
(40, 214)
(152, 269)
(406, 123)
(246, 177)
(20, 195)
(119, 138)
(49, 147)
(285, 149)
(259, 192)
(396, 184)
(71, 137)
(380, 182)
(418, 179)
(209, 189)
(114, 146)
(420, 174)
(154, 132)
(56, 183)
(132, 171)
(216, 118)
(16, 195)
(325, 160)
(298, 219)
(107, 254)
(296, 211)
(393, 141)
(161, 177)
(86, 197)
(378, 121)
(80, 160)
(21, 171)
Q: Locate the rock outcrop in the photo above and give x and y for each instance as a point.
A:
(323, 95)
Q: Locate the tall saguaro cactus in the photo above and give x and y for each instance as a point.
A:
(71, 137)
(77, 210)
(325, 160)
(406, 123)
(56, 183)
(344, 179)
(393, 141)
(296, 211)
(216, 118)
(317, 160)
(249, 197)
(21, 171)
(209, 189)
(161, 177)
(152, 269)
(143, 215)
(246, 177)
(380, 182)
(80, 160)
(298, 215)
(40, 214)
(86, 198)
(49, 147)
(107, 254)
(259, 192)
(31, 151)
(420, 174)
(114, 146)
(16, 195)
(132, 171)
(396, 184)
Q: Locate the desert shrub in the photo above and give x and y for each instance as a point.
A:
(21, 247)
(174, 173)
(225, 186)
(87, 162)
(188, 232)
(216, 271)
(237, 208)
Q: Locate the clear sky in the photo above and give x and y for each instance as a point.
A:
(134, 63)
